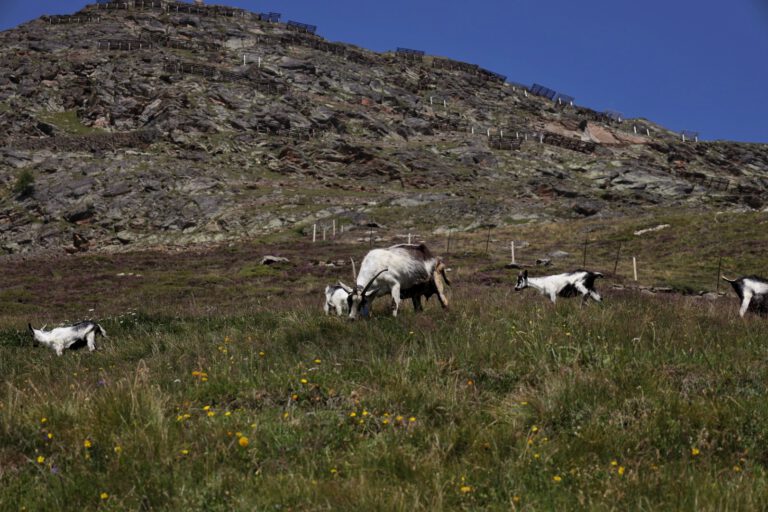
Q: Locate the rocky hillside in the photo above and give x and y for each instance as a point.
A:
(125, 126)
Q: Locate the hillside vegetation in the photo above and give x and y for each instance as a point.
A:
(222, 386)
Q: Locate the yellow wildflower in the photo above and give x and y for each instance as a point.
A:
(317, 361)
(262, 354)
(50, 436)
(118, 449)
(104, 496)
(465, 489)
(294, 397)
(736, 469)
(365, 413)
(621, 470)
(557, 478)
(614, 463)
(43, 420)
(206, 407)
(228, 413)
(87, 443)
(385, 422)
(695, 452)
(243, 442)
(303, 381)
(184, 452)
(211, 414)
(534, 429)
(412, 419)
(399, 418)
(40, 459)
(352, 414)
(516, 499)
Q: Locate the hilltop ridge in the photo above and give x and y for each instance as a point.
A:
(147, 123)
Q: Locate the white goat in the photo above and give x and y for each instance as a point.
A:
(72, 336)
(394, 271)
(336, 298)
(564, 285)
(752, 292)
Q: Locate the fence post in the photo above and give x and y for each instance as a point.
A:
(325, 228)
(634, 266)
(314, 233)
(334, 228)
(584, 261)
(512, 248)
(409, 239)
(719, 268)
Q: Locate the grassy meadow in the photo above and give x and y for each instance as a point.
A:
(222, 386)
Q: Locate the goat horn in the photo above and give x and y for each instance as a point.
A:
(726, 279)
(441, 269)
(354, 272)
(372, 280)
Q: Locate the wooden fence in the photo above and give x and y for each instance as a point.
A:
(74, 18)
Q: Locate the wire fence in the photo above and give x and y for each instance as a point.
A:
(625, 263)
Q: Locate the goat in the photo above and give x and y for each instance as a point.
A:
(72, 336)
(395, 270)
(752, 292)
(336, 298)
(436, 285)
(336, 294)
(564, 285)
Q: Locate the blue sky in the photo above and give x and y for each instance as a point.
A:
(688, 65)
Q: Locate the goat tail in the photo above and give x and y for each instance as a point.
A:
(101, 330)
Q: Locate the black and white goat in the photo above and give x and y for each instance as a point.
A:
(569, 284)
(336, 299)
(752, 292)
(402, 271)
(72, 336)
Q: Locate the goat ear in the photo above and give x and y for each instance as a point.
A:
(29, 324)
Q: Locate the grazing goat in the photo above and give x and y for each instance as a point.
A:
(72, 336)
(564, 285)
(752, 292)
(436, 285)
(336, 294)
(336, 298)
(393, 271)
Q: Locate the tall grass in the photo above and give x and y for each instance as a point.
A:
(503, 402)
